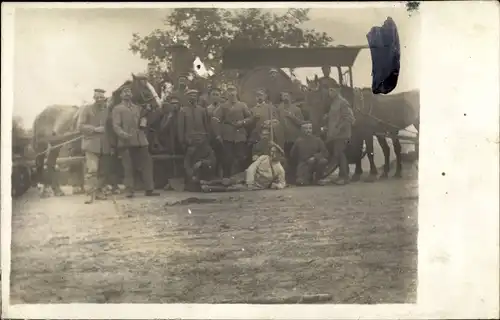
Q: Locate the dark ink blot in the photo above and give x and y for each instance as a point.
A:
(386, 56)
(443, 174)
(198, 67)
(465, 114)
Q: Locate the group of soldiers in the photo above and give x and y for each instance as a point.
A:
(227, 145)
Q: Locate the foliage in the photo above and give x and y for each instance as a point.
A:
(206, 32)
(412, 6)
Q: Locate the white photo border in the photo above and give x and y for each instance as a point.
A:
(458, 212)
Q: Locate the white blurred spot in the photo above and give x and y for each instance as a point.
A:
(242, 249)
(210, 56)
(189, 211)
(200, 69)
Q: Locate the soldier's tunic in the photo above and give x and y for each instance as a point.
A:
(291, 119)
(192, 121)
(214, 133)
(261, 113)
(132, 144)
(310, 154)
(97, 146)
(234, 136)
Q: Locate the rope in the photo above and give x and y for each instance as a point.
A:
(50, 147)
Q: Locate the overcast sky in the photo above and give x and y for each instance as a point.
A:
(61, 55)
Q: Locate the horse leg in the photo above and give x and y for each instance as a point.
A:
(387, 154)
(51, 171)
(358, 172)
(397, 150)
(371, 158)
(41, 174)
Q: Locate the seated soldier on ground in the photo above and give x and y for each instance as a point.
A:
(266, 172)
(199, 162)
(310, 154)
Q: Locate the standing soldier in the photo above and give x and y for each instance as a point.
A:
(310, 154)
(97, 146)
(232, 116)
(132, 143)
(215, 101)
(192, 121)
(340, 119)
(291, 118)
(262, 113)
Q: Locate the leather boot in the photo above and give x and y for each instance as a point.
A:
(91, 198)
(151, 193)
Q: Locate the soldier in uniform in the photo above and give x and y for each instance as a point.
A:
(199, 162)
(128, 125)
(310, 154)
(215, 102)
(232, 117)
(262, 112)
(326, 81)
(291, 118)
(97, 146)
(192, 120)
(339, 121)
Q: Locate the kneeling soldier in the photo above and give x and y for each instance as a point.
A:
(310, 154)
(199, 162)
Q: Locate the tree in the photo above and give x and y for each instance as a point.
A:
(207, 31)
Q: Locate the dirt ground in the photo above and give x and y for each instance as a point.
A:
(352, 244)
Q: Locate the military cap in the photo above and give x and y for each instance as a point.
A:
(100, 90)
(191, 91)
(126, 86)
(277, 147)
(173, 98)
(273, 70)
(230, 87)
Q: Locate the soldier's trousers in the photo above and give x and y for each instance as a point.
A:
(137, 158)
(337, 149)
(307, 170)
(235, 155)
(291, 165)
(97, 167)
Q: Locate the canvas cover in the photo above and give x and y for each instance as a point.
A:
(249, 58)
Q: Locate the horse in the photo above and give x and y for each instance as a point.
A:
(376, 115)
(56, 127)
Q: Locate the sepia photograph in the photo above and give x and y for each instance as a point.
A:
(218, 155)
(201, 155)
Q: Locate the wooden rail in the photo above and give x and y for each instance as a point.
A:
(76, 160)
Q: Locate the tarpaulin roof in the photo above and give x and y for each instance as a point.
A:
(248, 58)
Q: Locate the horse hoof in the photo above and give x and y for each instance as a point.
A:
(384, 176)
(356, 178)
(398, 175)
(371, 178)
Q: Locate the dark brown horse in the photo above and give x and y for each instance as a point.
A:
(55, 129)
(381, 116)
